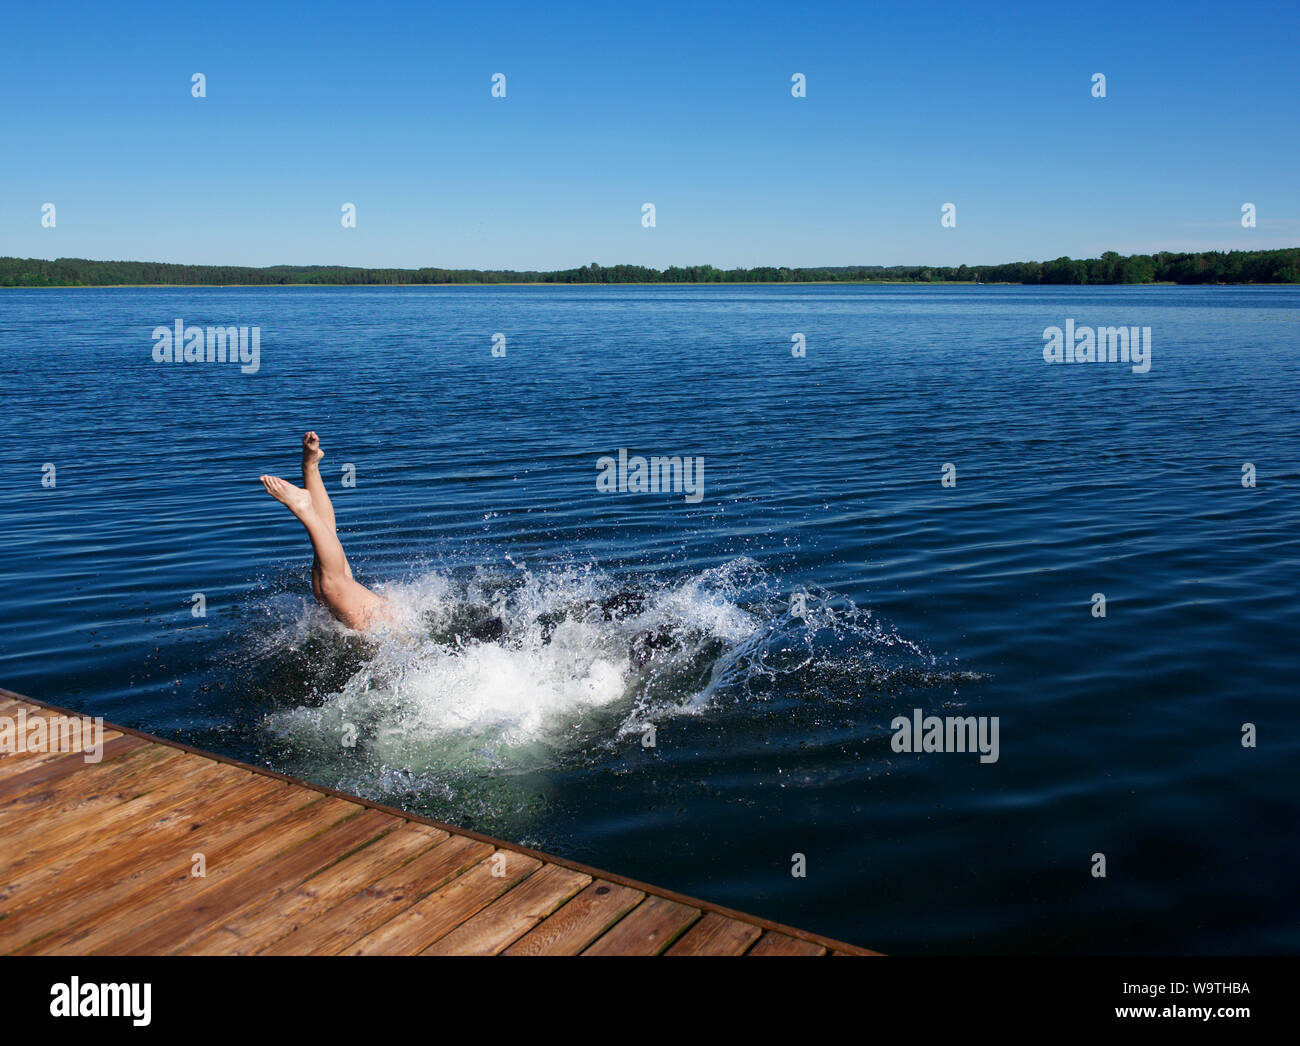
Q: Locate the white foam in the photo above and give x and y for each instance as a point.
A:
(424, 687)
(424, 696)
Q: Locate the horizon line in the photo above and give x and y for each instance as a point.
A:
(637, 265)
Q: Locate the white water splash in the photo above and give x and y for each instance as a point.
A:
(514, 671)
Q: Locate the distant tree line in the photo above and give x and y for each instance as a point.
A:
(1279, 266)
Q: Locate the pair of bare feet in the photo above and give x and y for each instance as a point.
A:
(332, 583)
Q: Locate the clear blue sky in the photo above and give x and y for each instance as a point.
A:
(387, 105)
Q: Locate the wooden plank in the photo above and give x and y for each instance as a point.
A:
(190, 919)
(773, 943)
(39, 810)
(716, 935)
(581, 921)
(45, 767)
(95, 857)
(382, 901)
(9, 709)
(510, 917)
(647, 930)
(447, 907)
(90, 779)
(50, 766)
(82, 878)
(17, 762)
(281, 914)
(102, 854)
(95, 883)
(227, 851)
(38, 819)
(54, 743)
(12, 763)
(32, 709)
(132, 876)
(73, 821)
(163, 812)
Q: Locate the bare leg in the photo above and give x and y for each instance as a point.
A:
(352, 603)
(311, 455)
(320, 499)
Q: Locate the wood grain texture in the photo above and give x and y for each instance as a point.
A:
(773, 943)
(574, 926)
(647, 930)
(510, 917)
(104, 858)
(716, 935)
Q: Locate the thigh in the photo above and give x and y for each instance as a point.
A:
(356, 605)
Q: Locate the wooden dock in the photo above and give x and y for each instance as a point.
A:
(102, 858)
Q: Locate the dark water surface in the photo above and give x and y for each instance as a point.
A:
(475, 496)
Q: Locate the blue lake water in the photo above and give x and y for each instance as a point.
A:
(472, 494)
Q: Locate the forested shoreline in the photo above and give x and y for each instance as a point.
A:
(1275, 266)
